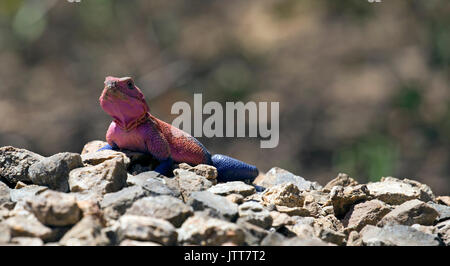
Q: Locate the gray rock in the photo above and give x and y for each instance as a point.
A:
(342, 198)
(218, 205)
(116, 203)
(27, 226)
(235, 198)
(108, 176)
(27, 241)
(276, 239)
(394, 191)
(342, 180)
(55, 208)
(190, 182)
(134, 243)
(5, 233)
(443, 229)
(98, 157)
(163, 207)
(445, 200)
(443, 210)
(4, 193)
(280, 219)
(206, 231)
(93, 146)
(14, 164)
(235, 187)
(87, 232)
(277, 176)
(53, 171)
(332, 236)
(27, 192)
(144, 228)
(207, 171)
(411, 212)
(286, 194)
(362, 214)
(253, 234)
(155, 184)
(254, 213)
(142, 178)
(396, 235)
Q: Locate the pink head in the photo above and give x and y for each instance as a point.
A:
(123, 101)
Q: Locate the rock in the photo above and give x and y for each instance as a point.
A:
(287, 194)
(303, 230)
(277, 176)
(155, 184)
(218, 206)
(206, 231)
(53, 171)
(425, 229)
(87, 232)
(27, 241)
(116, 203)
(254, 213)
(342, 198)
(106, 177)
(55, 208)
(396, 235)
(190, 182)
(234, 187)
(316, 196)
(362, 214)
(5, 233)
(253, 234)
(394, 191)
(27, 192)
(276, 239)
(163, 207)
(235, 198)
(93, 146)
(144, 228)
(443, 229)
(293, 211)
(342, 180)
(207, 171)
(99, 157)
(142, 178)
(4, 193)
(134, 243)
(314, 209)
(443, 210)
(411, 212)
(328, 222)
(354, 239)
(14, 164)
(332, 236)
(445, 200)
(280, 219)
(27, 226)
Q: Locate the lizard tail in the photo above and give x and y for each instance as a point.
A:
(230, 169)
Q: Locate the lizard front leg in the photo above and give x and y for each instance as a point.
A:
(157, 145)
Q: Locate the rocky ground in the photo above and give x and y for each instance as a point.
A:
(113, 198)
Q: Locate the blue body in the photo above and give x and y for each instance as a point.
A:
(229, 169)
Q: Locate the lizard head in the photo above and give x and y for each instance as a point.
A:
(123, 100)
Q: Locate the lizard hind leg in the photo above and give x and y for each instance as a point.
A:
(230, 169)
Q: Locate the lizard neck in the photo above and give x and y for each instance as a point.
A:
(130, 125)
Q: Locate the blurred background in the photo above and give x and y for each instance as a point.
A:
(363, 87)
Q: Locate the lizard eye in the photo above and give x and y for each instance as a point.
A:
(130, 85)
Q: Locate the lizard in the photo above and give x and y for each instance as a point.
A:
(134, 128)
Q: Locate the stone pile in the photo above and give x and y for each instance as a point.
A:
(113, 198)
